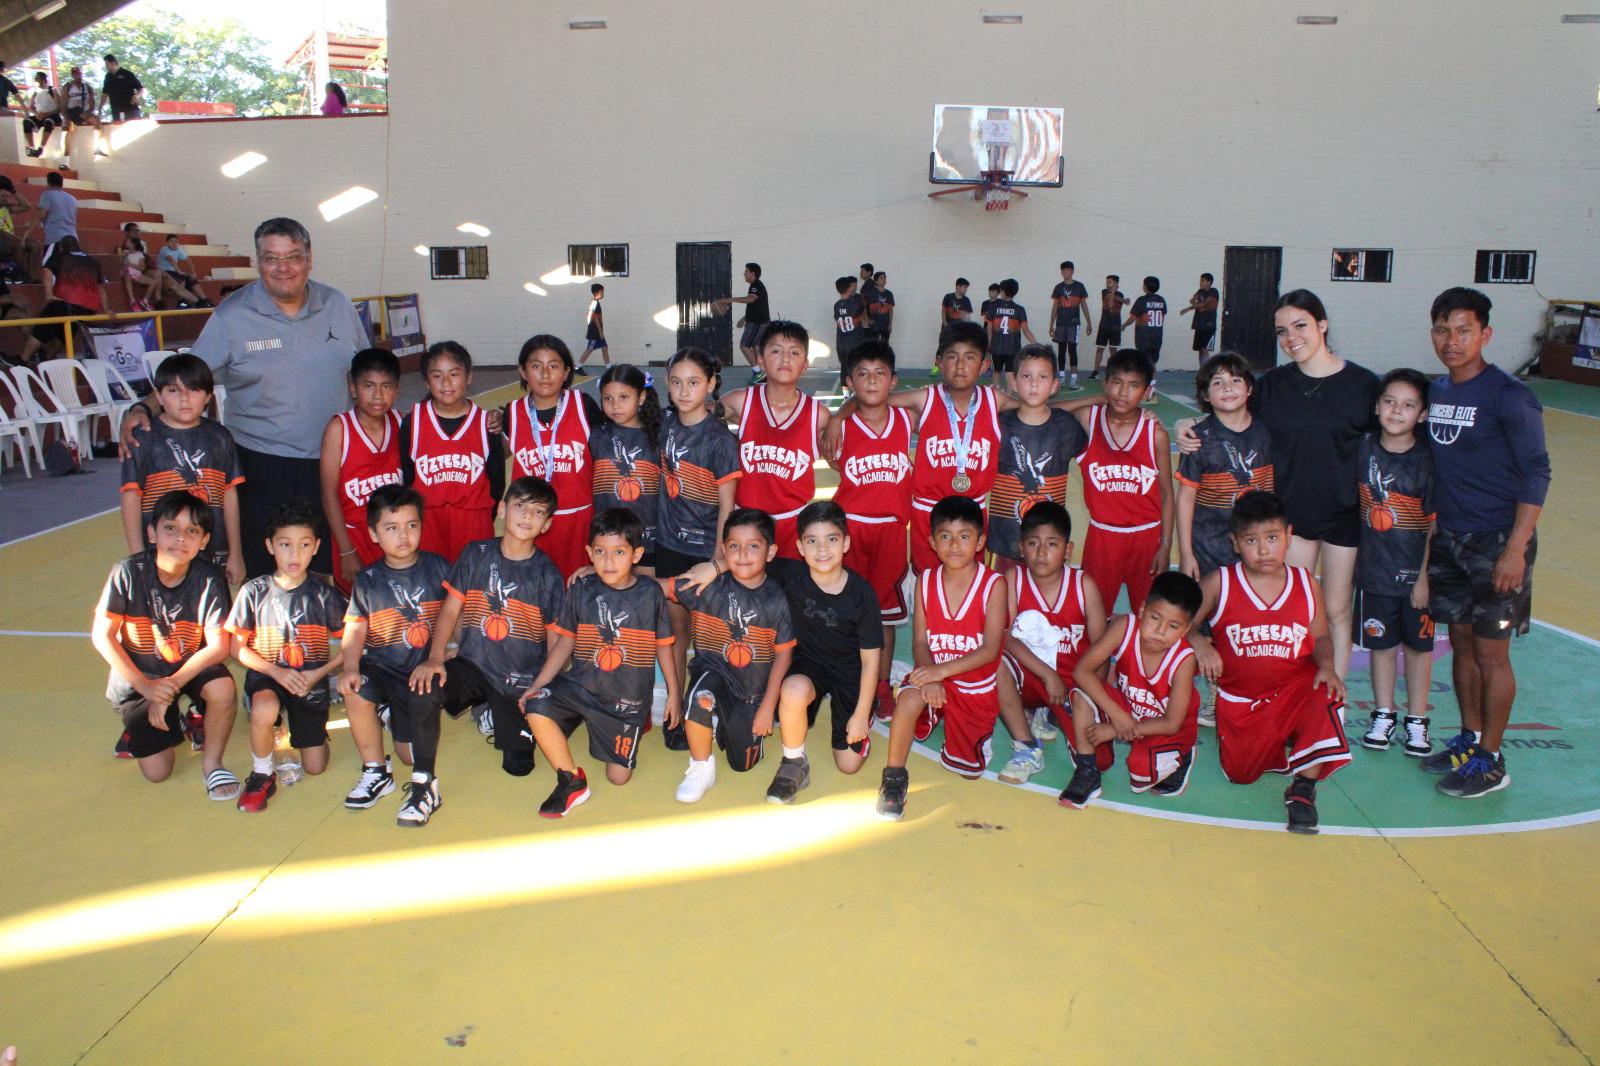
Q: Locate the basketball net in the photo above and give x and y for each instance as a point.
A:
(996, 190)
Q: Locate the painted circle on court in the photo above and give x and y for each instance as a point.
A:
(1549, 748)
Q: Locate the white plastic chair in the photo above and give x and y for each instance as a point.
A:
(21, 431)
(105, 381)
(33, 397)
(153, 360)
(64, 377)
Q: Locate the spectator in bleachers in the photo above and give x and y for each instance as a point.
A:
(335, 103)
(123, 90)
(78, 106)
(137, 268)
(72, 281)
(44, 114)
(60, 213)
(8, 89)
(16, 250)
(174, 263)
(280, 346)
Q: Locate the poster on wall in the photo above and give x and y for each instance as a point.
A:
(405, 325)
(1588, 353)
(123, 347)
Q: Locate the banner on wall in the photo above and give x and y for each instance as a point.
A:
(123, 347)
(364, 313)
(1588, 353)
(405, 325)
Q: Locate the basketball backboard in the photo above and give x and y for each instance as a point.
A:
(971, 139)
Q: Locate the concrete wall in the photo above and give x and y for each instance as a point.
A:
(801, 134)
(175, 169)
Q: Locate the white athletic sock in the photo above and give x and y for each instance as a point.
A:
(261, 764)
(793, 753)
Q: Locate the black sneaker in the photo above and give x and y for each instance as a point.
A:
(1381, 732)
(422, 799)
(1480, 775)
(1453, 754)
(124, 748)
(376, 782)
(1301, 800)
(675, 738)
(1174, 783)
(1083, 788)
(194, 724)
(792, 776)
(892, 793)
(257, 790)
(517, 763)
(572, 788)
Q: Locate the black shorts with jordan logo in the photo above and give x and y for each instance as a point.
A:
(1461, 584)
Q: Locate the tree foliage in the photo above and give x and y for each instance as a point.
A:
(214, 60)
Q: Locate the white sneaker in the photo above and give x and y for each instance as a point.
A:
(697, 781)
(1043, 724)
(1208, 709)
(1382, 730)
(485, 721)
(1072, 384)
(1025, 762)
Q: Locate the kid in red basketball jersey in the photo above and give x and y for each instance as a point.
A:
(957, 628)
(450, 457)
(1056, 613)
(1127, 485)
(1280, 703)
(1147, 700)
(874, 466)
(360, 454)
(779, 429)
(548, 431)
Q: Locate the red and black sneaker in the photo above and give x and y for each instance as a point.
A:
(885, 704)
(258, 789)
(927, 722)
(194, 724)
(124, 748)
(572, 788)
(1301, 800)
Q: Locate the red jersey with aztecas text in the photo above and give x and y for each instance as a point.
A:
(1262, 645)
(956, 629)
(1054, 628)
(938, 442)
(568, 472)
(1148, 686)
(875, 469)
(365, 466)
(778, 458)
(452, 471)
(1120, 483)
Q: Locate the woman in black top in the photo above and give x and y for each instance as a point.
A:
(1316, 406)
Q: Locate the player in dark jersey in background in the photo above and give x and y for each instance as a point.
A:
(1149, 321)
(1392, 563)
(848, 315)
(880, 309)
(388, 629)
(1108, 338)
(503, 593)
(1069, 309)
(615, 630)
(1008, 324)
(757, 313)
(1204, 305)
(956, 306)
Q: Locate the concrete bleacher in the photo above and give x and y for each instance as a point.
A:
(101, 215)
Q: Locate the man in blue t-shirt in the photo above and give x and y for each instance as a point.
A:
(1491, 473)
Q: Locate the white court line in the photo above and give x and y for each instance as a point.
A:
(64, 525)
(41, 633)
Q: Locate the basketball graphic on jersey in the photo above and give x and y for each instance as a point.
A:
(629, 489)
(608, 657)
(169, 648)
(496, 626)
(738, 654)
(293, 655)
(1381, 519)
(417, 634)
(670, 480)
(1025, 504)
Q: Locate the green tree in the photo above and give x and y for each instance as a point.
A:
(213, 60)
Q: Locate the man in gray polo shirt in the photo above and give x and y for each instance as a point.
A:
(281, 347)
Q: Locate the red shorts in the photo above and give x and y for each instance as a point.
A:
(447, 530)
(1294, 728)
(787, 536)
(968, 724)
(922, 553)
(1117, 559)
(878, 553)
(367, 550)
(1150, 759)
(567, 540)
(1033, 693)
(1104, 755)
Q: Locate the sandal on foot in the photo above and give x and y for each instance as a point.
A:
(222, 785)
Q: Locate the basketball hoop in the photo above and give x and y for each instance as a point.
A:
(995, 190)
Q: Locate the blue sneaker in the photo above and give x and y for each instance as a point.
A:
(1454, 754)
(1479, 775)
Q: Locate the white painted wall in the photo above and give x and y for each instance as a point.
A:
(175, 169)
(800, 133)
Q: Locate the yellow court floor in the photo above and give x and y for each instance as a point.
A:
(142, 924)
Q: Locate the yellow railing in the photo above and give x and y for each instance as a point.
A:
(380, 324)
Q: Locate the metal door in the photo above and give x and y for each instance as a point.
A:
(705, 272)
(1249, 291)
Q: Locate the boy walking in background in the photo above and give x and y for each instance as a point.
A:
(594, 330)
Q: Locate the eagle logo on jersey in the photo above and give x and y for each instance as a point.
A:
(169, 638)
(609, 655)
(629, 487)
(187, 463)
(417, 630)
(496, 626)
(672, 454)
(738, 651)
(293, 653)
(1030, 472)
(1240, 464)
(1380, 517)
